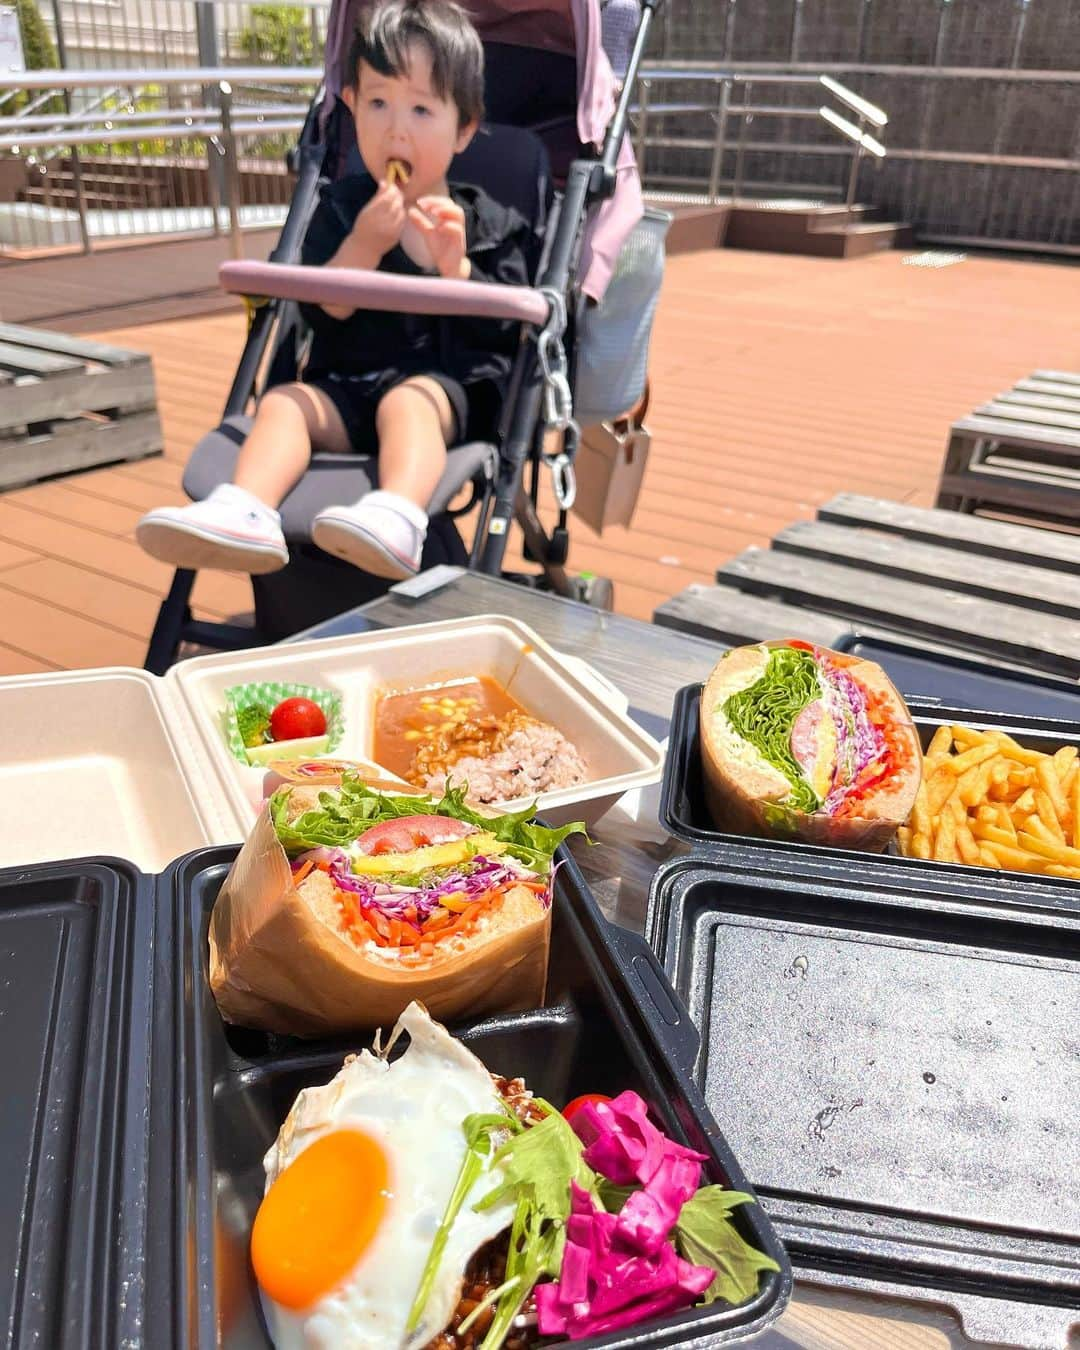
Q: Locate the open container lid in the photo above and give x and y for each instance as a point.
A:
(97, 762)
(965, 681)
(75, 1009)
(892, 1055)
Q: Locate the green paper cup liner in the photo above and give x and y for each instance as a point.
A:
(269, 694)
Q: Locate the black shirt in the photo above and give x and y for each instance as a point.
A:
(499, 243)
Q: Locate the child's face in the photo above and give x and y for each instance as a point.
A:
(402, 118)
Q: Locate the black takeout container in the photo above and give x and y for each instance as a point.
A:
(75, 998)
(964, 681)
(683, 812)
(892, 1053)
(610, 1022)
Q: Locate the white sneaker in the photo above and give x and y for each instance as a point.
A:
(231, 531)
(383, 534)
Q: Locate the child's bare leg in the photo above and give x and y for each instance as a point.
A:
(237, 526)
(414, 422)
(384, 532)
(290, 422)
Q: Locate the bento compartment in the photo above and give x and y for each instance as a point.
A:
(589, 1037)
(683, 811)
(97, 769)
(903, 1096)
(74, 1008)
(361, 669)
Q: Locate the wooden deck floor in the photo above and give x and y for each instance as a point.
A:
(778, 381)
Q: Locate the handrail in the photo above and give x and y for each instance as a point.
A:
(726, 76)
(712, 70)
(207, 128)
(863, 139)
(862, 106)
(118, 118)
(91, 79)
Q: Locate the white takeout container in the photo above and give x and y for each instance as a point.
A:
(116, 761)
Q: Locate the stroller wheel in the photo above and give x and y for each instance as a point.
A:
(597, 592)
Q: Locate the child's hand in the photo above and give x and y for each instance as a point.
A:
(378, 226)
(441, 225)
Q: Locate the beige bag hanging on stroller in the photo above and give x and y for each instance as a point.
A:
(610, 468)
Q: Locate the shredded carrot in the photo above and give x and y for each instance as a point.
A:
(302, 871)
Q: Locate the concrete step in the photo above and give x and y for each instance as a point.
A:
(824, 231)
(858, 239)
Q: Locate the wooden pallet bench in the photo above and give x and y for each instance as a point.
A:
(958, 584)
(67, 403)
(1019, 454)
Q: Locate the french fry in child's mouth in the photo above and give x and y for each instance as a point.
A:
(396, 172)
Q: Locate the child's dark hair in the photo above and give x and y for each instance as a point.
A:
(385, 31)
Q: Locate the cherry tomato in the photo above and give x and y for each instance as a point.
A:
(409, 832)
(571, 1108)
(297, 718)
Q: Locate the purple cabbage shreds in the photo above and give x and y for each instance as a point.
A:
(868, 742)
(483, 874)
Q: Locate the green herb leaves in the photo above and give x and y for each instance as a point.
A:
(346, 812)
(705, 1235)
(764, 714)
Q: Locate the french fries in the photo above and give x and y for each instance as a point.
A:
(987, 801)
(396, 172)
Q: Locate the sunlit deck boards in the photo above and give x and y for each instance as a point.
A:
(777, 382)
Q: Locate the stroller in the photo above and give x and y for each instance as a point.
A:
(553, 146)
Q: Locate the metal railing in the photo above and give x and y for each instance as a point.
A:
(721, 109)
(952, 185)
(164, 152)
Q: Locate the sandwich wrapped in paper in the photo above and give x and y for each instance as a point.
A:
(346, 904)
(802, 742)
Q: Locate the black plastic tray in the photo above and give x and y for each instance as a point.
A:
(611, 1023)
(682, 800)
(965, 682)
(895, 1060)
(74, 1061)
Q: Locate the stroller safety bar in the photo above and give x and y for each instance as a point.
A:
(381, 290)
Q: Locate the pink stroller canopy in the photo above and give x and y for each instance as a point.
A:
(570, 27)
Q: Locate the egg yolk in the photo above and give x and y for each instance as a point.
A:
(317, 1218)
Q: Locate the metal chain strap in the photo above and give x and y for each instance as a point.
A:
(558, 400)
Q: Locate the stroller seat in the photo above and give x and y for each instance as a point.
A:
(330, 479)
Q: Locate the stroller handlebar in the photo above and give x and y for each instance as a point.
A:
(364, 289)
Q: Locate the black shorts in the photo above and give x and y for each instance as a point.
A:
(356, 397)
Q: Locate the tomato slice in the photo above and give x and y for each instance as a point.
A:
(571, 1108)
(409, 832)
(295, 719)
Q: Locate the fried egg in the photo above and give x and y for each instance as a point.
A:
(358, 1183)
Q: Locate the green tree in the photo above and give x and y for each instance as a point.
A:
(39, 52)
(279, 35)
(38, 49)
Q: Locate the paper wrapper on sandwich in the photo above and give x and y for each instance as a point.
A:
(280, 961)
(743, 793)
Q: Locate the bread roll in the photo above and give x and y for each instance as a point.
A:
(846, 776)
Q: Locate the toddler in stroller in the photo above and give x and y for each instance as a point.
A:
(413, 384)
